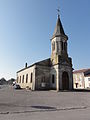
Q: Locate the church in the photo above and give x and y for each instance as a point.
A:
(54, 73)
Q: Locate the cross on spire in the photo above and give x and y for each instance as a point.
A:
(58, 12)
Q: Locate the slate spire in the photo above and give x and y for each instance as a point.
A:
(58, 29)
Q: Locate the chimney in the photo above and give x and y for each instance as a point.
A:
(25, 65)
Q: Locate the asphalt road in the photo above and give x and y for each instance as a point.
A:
(43, 105)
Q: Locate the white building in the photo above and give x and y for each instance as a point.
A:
(53, 73)
(81, 78)
(87, 80)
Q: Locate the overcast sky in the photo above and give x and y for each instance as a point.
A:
(26, 27)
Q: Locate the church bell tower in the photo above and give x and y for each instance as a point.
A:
(61, 63)
(58, 43)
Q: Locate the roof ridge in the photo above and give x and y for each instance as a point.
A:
(81, 70)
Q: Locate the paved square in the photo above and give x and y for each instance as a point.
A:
(43, 105)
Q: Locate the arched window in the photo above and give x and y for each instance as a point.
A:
(23, 79)
(17, 79)
(65, 46)
(43, 79)
(61, 45)
(53, 46)
(31, 77)
(26, 78)
(20, 80)
(53, 79)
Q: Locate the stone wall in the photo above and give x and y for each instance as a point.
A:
(42, 80)
(67, 69)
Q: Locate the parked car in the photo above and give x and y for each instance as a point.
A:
(16, 86)
(14, 83)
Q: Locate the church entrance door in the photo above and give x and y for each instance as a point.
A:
(65, 81)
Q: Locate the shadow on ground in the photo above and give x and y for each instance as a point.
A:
(43, 107)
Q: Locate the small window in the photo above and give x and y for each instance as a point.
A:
(65, 46)
(53, 79)
(43, 79)
(26, 78)
(23, 79)
(31, 77)
(20, 80)
(88, 79)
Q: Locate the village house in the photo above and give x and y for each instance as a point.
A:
(81, 78)
(52, 73)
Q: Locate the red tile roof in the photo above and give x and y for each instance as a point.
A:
(87, 75)
(81, 71)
